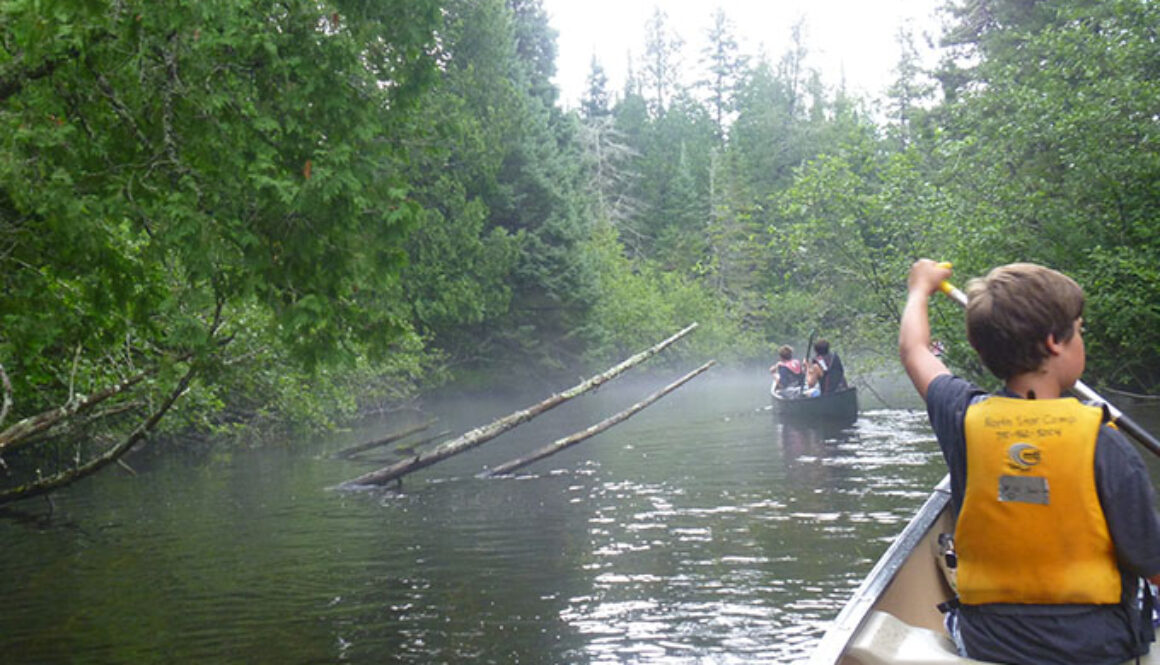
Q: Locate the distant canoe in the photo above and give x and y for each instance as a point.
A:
(836, 407)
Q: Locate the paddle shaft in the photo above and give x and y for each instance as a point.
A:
(1129, 426)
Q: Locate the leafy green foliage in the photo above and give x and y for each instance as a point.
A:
(637, 304)
(176, 174)
(285, 213)
(1054, 147)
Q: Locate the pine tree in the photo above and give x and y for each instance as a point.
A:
(661, 76)
(724, 67)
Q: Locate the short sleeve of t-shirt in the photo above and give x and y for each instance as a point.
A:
(947, 399)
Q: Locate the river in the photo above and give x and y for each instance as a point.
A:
(700, 531)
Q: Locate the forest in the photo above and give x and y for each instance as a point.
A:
(230, 219)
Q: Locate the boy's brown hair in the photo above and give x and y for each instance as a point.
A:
(1012, 311)
(785, 352)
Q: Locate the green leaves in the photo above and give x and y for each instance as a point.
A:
(175, 174)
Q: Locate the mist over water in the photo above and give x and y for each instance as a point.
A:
(699, 531)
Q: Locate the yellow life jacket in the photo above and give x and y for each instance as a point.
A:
(1031, 529)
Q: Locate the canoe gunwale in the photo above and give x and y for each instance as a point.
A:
(854, 614)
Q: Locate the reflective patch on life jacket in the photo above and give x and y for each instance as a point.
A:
(1024, 490)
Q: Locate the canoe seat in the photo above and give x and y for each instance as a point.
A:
(887, 640)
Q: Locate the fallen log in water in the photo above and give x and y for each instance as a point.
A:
(569, 441)
(404, 450)
(408, 448)
(369, 445)
(488, 432)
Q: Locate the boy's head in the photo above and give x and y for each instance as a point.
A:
(1013, 311)
(821, 347)
(785, 352)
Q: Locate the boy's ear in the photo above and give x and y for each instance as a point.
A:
(1054, 347)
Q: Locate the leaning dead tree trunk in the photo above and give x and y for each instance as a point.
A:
(369, 445)
(569, 441)
(481, 435)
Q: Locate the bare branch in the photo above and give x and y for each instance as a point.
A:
(47, 484)
(483, 434)
(377, 443)
(571, 440)
(19, 433)
(72, 376)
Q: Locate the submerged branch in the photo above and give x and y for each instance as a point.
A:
(369, 445)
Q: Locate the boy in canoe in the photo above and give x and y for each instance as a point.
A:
(788, 374)
(1056, 519)
(826, 371)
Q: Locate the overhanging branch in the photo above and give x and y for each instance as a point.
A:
(21, 432)
(50, 483)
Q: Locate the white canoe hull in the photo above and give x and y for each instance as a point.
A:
(893, 617)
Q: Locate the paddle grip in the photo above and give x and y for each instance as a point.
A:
(949, 289)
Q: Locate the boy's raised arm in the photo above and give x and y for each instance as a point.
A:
(921, 364)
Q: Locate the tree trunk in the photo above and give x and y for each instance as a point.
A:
(405, 449)
(481, 435)
(362, 447)
(23, 431)
(569, 441)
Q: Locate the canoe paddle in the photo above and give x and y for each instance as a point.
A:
(1080, 388)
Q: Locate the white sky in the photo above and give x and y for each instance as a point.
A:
(850, 38)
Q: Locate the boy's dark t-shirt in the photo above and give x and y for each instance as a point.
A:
(1063, 634)
(833, 374)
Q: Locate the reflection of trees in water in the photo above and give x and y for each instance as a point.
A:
(808, 453)
(821, 440)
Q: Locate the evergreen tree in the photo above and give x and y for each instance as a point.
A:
(596, 102)
(535, 48)
(724, 67)
(909, 91)
(661, 75)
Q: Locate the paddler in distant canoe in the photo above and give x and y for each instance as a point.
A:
(826, 373)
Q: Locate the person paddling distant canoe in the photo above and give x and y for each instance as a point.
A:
(826, 372)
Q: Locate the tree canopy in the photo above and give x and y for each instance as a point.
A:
(226, 217)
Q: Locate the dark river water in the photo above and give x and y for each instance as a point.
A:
(700, 531)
